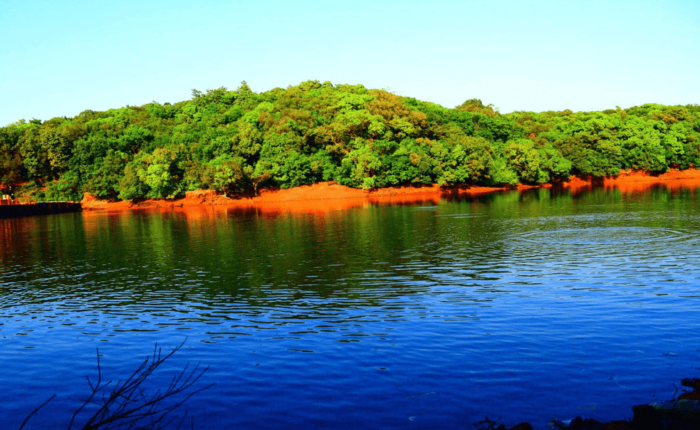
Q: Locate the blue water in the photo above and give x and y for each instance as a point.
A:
(519, 306)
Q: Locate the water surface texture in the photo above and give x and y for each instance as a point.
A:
(519, 306)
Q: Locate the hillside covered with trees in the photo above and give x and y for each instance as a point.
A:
(241, 141)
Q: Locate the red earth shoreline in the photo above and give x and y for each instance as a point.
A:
(329, 196)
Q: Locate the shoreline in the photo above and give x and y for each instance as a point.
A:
(679, 413)
(329, 196)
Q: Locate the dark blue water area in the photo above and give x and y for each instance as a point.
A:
(519, 306)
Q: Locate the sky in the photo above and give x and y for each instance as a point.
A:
(59, 58)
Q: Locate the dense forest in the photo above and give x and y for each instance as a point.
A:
(241, 141)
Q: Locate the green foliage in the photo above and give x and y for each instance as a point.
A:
(229, 174)
(526, 161)
(239, 141)
(536, 165)
(501, 173)
(10, 159)
(131, 186)
(641, 145)
(157, 176)
(104, 182)
(66, 188)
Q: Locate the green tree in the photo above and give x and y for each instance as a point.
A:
(104, 183)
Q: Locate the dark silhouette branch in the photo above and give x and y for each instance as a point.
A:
(35, 411)
(129, 405)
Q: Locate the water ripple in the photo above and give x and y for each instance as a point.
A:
(539, 301)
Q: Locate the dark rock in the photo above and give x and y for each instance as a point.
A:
(575, 424)
(522, 426)
(579, 423)
(558, 425)
(488, 424)
(693, 395)
(646, 417)
(693, 383)
(617, 425)
(681, 411)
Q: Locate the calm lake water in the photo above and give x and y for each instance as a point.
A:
(519, 306)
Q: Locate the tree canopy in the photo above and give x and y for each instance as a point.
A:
(241, 141)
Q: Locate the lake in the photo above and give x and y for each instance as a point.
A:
(519, 306)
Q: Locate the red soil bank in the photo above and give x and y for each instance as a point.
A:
(316, 198)
(328, 196)
(631, 181)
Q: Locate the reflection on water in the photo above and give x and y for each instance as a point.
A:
(523, 306)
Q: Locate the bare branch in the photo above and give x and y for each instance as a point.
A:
(129, 405)
(94, 389)
(35, 411)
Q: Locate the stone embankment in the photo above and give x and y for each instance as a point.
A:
(32, 209)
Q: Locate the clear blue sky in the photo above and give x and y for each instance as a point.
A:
(61, 57)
